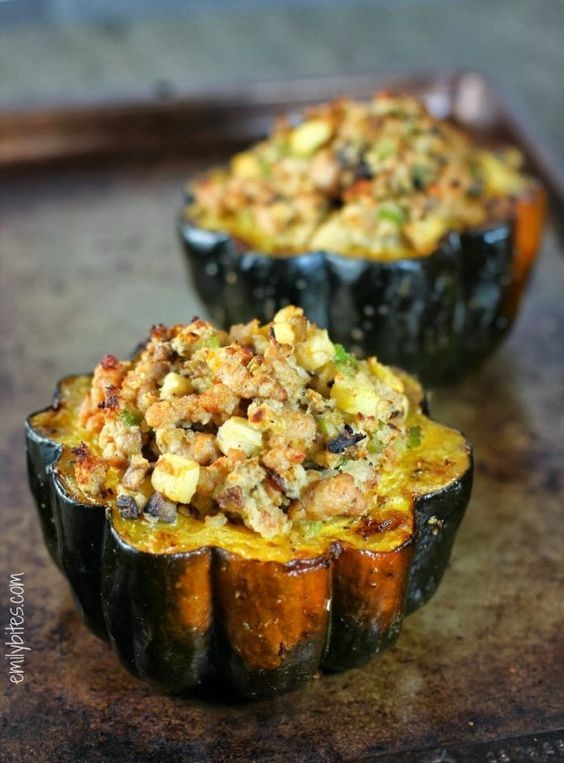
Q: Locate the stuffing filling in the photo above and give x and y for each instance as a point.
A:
(381, 179)
(266, 426)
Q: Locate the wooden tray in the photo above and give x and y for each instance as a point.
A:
(89, 261)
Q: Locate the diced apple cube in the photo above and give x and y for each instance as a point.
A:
(316, 351)
(356, 395)
(309, 136)
(283, 333)
(176, 477)
(246, 165)
(237, 434)
(174, 385)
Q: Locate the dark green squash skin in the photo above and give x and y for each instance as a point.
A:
(41, 453)
(437, 519)
(79, 543)
(131, 597)
(437, 317)
(72, 531)
(137, 593)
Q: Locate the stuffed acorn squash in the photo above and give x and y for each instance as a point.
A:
(251, 505)
(390, 227)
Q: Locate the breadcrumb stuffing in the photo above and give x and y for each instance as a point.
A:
(380, 178)
(250, 429)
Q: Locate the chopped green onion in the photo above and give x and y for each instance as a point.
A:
(265, 168)
(344, 358)
(130, 418)
(212, 340)
(420, 176)
(375, 446)
(245, 218)
(326, 427)
(341, 354)
(476, 187)
(384, 149)
(253, 365)
(312, 529)
(392, 213)
(281, 146)
(414, 437)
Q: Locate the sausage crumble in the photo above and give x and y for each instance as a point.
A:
(381, 178)
(264, 425)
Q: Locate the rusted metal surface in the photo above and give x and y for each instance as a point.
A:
(89, 261)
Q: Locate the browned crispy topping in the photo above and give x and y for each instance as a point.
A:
(108, 362)
(264, 426)
(81, 451)
(371, 526)
(380, 178)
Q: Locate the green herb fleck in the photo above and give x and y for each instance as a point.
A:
(254, 365)
(344, 359)
(384, 149)
(265, 168)
(245, 218)
(475, 189)
(130, 418)
(420, 176)
(414, 437)
(212, 340)
(280, 145)
(341, 354)
(327, 427)
(391, 213)
(312, 529)
(375, 446)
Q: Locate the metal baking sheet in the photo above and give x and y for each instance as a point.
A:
(89, 260)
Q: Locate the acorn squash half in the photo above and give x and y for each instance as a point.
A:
(186, 603)
(391, 228)
(438, 316)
